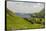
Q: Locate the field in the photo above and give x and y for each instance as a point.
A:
(15, 22)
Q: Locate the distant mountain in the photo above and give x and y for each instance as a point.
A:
(23, 15)
(40, 14)
(27, 15)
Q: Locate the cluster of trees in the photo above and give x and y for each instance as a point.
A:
(36, 20)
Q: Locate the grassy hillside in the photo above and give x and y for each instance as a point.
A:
(16, 22)
(19, 23)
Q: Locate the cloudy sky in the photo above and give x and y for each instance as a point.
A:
(24, 7)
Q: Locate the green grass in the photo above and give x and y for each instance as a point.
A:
(17, 22)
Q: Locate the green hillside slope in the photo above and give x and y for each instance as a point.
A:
(16, 22)
(19, 23)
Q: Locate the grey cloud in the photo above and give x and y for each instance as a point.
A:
(22, 7)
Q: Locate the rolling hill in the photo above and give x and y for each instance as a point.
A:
(16, 22)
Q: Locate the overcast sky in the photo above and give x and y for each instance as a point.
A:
(24, 7)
